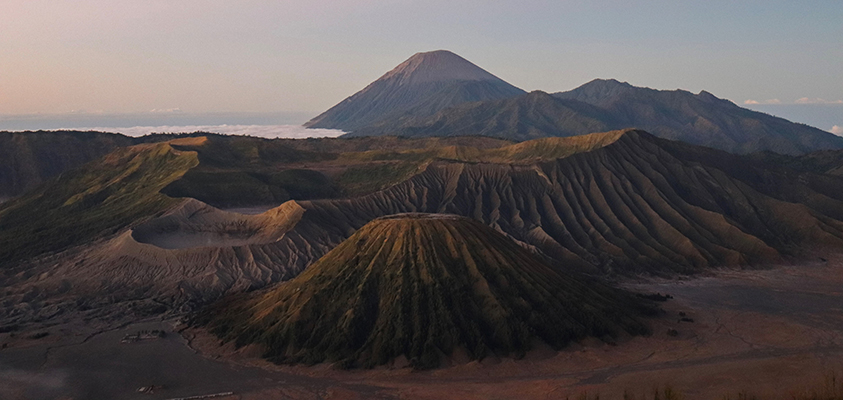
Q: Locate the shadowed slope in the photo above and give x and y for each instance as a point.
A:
(421, 286)
(533, 115)
(97, 199)
(602, 105)
(247, 171)
(701, 119)
(30, 158)
(422, 85)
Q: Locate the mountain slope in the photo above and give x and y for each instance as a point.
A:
(97, 199)
(602, 105)
(422, 85)
(615, 203)
(421, 286)
(29, 158)
(531, 116)
(701, 119)
(638, 203)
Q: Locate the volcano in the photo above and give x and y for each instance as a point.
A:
(421, 287)
(420, 86)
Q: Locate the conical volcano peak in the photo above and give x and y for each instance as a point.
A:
(421, 86)
(418, 287)
(437, 66)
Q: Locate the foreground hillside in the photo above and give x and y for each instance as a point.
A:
(421, 286)
(616, 203)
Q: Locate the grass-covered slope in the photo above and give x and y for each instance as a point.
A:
(29, 158)
(421, 286)
(247, 171)
(96, 199)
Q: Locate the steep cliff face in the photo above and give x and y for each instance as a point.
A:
(421, 286)
(421, 85)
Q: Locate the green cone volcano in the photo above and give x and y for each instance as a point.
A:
(420, 286)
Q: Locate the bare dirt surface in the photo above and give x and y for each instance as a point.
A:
(771, 332)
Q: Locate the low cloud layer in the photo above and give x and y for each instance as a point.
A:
(803, 100)
(263, 131)
(806, 100)
(837, 130)
(770, 101)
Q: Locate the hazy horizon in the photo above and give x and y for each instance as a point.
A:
(828, 117)
(261, 56)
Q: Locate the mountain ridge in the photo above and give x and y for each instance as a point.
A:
(613, 204)
(441, 94)
(702, 119)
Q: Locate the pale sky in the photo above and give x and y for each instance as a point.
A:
(126, 56)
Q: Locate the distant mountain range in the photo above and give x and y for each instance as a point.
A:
(441, 94)
(701, 119)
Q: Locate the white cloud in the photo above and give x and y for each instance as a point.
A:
(263, 131)
(768, 101)
(837, 130)
(165, 111)
(807, 100)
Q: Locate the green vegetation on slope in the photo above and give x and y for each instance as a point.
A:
(96, 199)
(421, 286)
(30, 158)
(244, 171)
